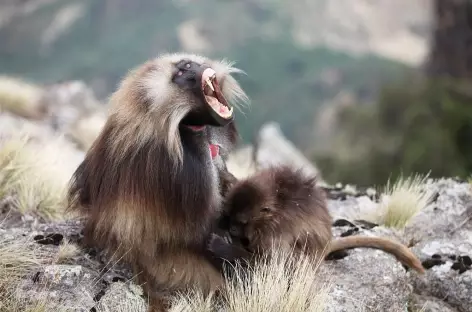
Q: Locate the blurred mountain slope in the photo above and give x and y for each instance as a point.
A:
(398, 29)
(297, 54)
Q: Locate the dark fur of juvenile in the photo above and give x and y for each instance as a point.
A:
(284, 206)
(148, 187)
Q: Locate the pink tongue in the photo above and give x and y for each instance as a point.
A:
(214, 150)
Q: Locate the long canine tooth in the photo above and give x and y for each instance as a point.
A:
(208, 82)
(229, 113)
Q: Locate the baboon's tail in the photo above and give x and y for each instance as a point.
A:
(400, 251)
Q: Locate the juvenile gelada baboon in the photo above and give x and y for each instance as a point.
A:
(283, 206)
(150, 186)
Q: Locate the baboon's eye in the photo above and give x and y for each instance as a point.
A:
(265, 209)
(187, 65)
(179, 73)
(234, 230)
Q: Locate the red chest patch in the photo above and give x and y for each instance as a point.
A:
(214, 150)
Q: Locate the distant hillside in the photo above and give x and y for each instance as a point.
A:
(296, 54)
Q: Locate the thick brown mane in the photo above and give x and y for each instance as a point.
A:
(148, 186)
(125, 189)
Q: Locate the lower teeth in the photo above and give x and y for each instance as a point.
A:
(218, 107)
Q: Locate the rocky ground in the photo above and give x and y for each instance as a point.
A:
(361, 280)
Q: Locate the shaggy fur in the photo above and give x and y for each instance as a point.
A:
(283, 206)
(148, 187)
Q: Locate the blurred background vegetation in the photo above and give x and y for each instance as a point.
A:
(366, 89)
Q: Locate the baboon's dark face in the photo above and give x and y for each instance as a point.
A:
(173, 93)
(251, 207)
(210, 105)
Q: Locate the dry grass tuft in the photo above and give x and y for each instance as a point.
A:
(12, 304)
(193, 302)
(281, 281)
(36, 174)
(402, 201)
(21, 98)
(66, 251)
(17, 259)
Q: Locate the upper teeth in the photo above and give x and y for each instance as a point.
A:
(208, 82)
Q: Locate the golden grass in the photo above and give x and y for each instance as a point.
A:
(402, 200)
(18, 257)
(66, 251)
(193, 301)
(280, 281)
(13, 304)
(21, 98)
(36, 174)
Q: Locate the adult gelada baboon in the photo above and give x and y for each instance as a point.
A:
(150, 186)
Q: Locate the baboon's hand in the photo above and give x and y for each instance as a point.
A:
(223, 248)
(218, 244)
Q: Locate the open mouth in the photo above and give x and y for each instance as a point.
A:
(214, 97)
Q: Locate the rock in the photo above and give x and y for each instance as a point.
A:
(429, 304)
(362, 279)
(449, 216)
(274, 148)
(443, 235)
(122, 297)
(351, 207)
(271, 148)
(79, 282)
(443, 231)
(449, 273)
(240, 162)
(368, 279)
(68, 102)
(71, 286)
